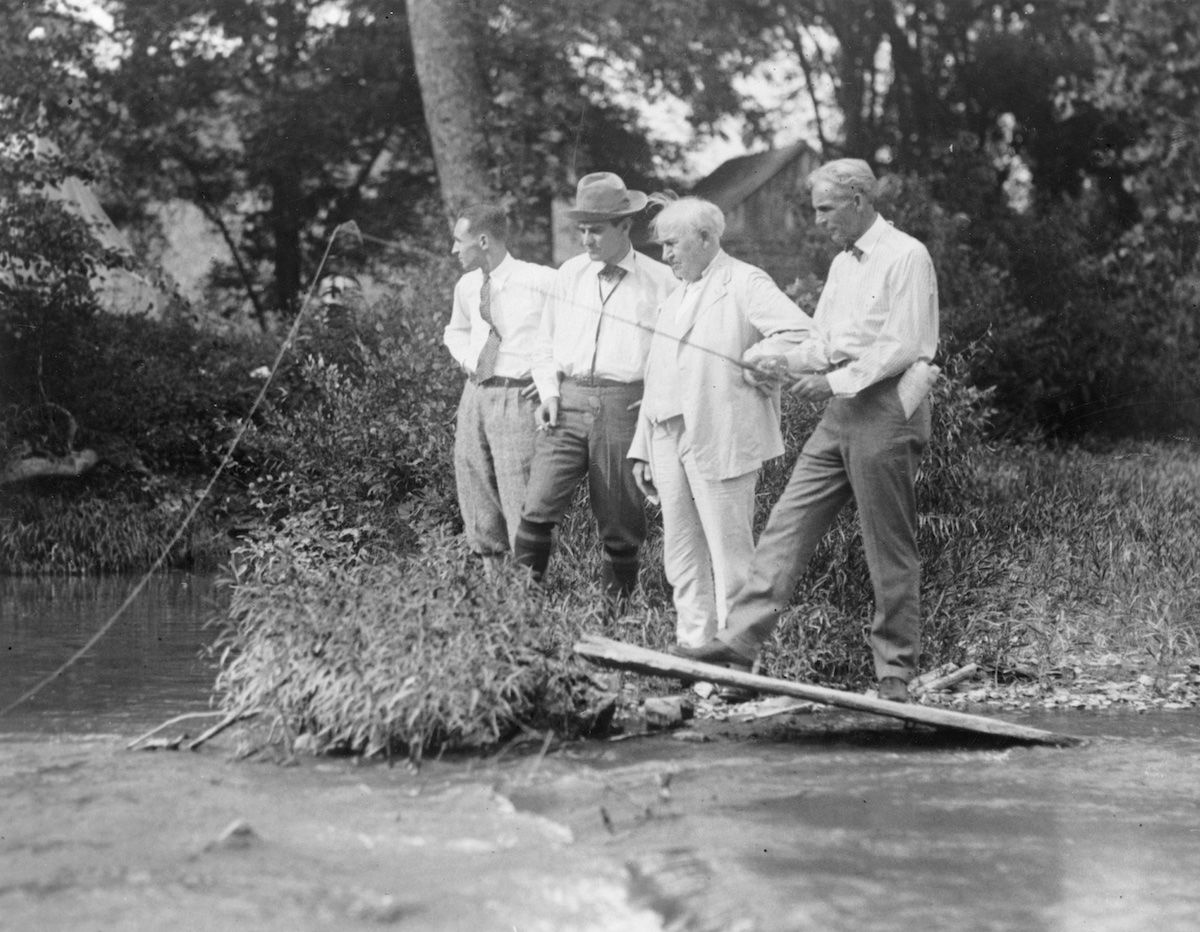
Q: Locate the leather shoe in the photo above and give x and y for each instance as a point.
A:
(893, 689)
(731, 695)
(715, 652)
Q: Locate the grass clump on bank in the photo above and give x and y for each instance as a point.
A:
(66, 533)
(409, 656)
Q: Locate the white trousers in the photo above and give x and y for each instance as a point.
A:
(708, 536)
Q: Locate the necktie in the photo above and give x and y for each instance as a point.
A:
(611, 274)
(486, 367)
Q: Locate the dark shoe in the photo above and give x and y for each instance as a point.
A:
(714, 652)
(893, 689)
(735, 694)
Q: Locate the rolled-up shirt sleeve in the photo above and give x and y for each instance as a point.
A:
(457, 335)
(542, 365)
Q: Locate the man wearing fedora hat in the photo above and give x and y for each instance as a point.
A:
(594, 338)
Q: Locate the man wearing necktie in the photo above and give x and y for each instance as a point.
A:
(877, 323)
(592, 347)
(493, 325)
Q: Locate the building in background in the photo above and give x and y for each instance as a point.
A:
(766, 206)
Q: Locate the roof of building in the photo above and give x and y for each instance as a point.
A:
(736, 179)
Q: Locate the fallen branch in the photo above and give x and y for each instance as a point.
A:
(923, 681)
(945, 682)
(34, 467)
(228, 720)
(167, 724)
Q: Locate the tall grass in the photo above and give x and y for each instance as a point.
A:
(1044, 558)
(406, 656)
(1108, 550)
(74, 532)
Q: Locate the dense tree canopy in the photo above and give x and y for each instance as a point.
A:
(1061, 133)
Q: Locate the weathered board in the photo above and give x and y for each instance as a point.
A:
(609, 653)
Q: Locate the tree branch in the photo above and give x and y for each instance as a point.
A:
(806, 67)
(202, 200)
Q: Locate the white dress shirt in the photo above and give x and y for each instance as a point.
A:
(592, 328)
(664, 400)
(877, 314)
(518, 294)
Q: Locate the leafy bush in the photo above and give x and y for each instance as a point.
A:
(423, 653)
(366, 441)
(157, 401)
(1090, 328)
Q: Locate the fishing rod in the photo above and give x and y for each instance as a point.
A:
(771, 369)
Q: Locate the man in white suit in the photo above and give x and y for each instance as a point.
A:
(706, 425)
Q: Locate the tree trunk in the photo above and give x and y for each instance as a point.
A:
(285, 227)
(447, 52)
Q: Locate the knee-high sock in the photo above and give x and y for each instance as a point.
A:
(534, 539)
(620, 572)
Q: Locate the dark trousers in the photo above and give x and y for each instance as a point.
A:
(862, 447)
(594, 432)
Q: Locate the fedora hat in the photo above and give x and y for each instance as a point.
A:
(603, 196)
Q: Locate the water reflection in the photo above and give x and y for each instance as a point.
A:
(147, 668)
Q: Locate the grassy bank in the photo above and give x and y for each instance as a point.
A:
(359, 621)
(1033, 559)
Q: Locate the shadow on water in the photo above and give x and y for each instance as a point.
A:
(149, 667)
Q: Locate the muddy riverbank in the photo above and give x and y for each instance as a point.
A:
(805, 821)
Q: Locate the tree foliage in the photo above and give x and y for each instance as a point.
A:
(282, 119)
(49, 257)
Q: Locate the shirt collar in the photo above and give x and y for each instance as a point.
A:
(870, 239)
(713, 263)
(504, 269)
(626, 262)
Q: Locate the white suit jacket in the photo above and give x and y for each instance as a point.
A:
(732, 427)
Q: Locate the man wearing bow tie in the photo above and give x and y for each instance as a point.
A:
(876, 319)
(594, 337)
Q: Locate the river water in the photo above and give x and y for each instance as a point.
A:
(148, 667)
(820, 821)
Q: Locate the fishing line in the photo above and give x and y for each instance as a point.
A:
(351, 229)
(653, 331)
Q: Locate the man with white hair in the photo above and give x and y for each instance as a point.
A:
(704, 430)
(877, 319)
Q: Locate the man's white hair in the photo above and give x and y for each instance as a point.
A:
(847, 176)
(687, 213)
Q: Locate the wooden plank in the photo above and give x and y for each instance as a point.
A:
(609, 653)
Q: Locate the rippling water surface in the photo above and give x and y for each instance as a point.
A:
(147, 668)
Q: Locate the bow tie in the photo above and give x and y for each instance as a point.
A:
(854, 251)
(611, 272)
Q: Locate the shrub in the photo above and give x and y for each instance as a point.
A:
(423, 653)
(365, 441)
